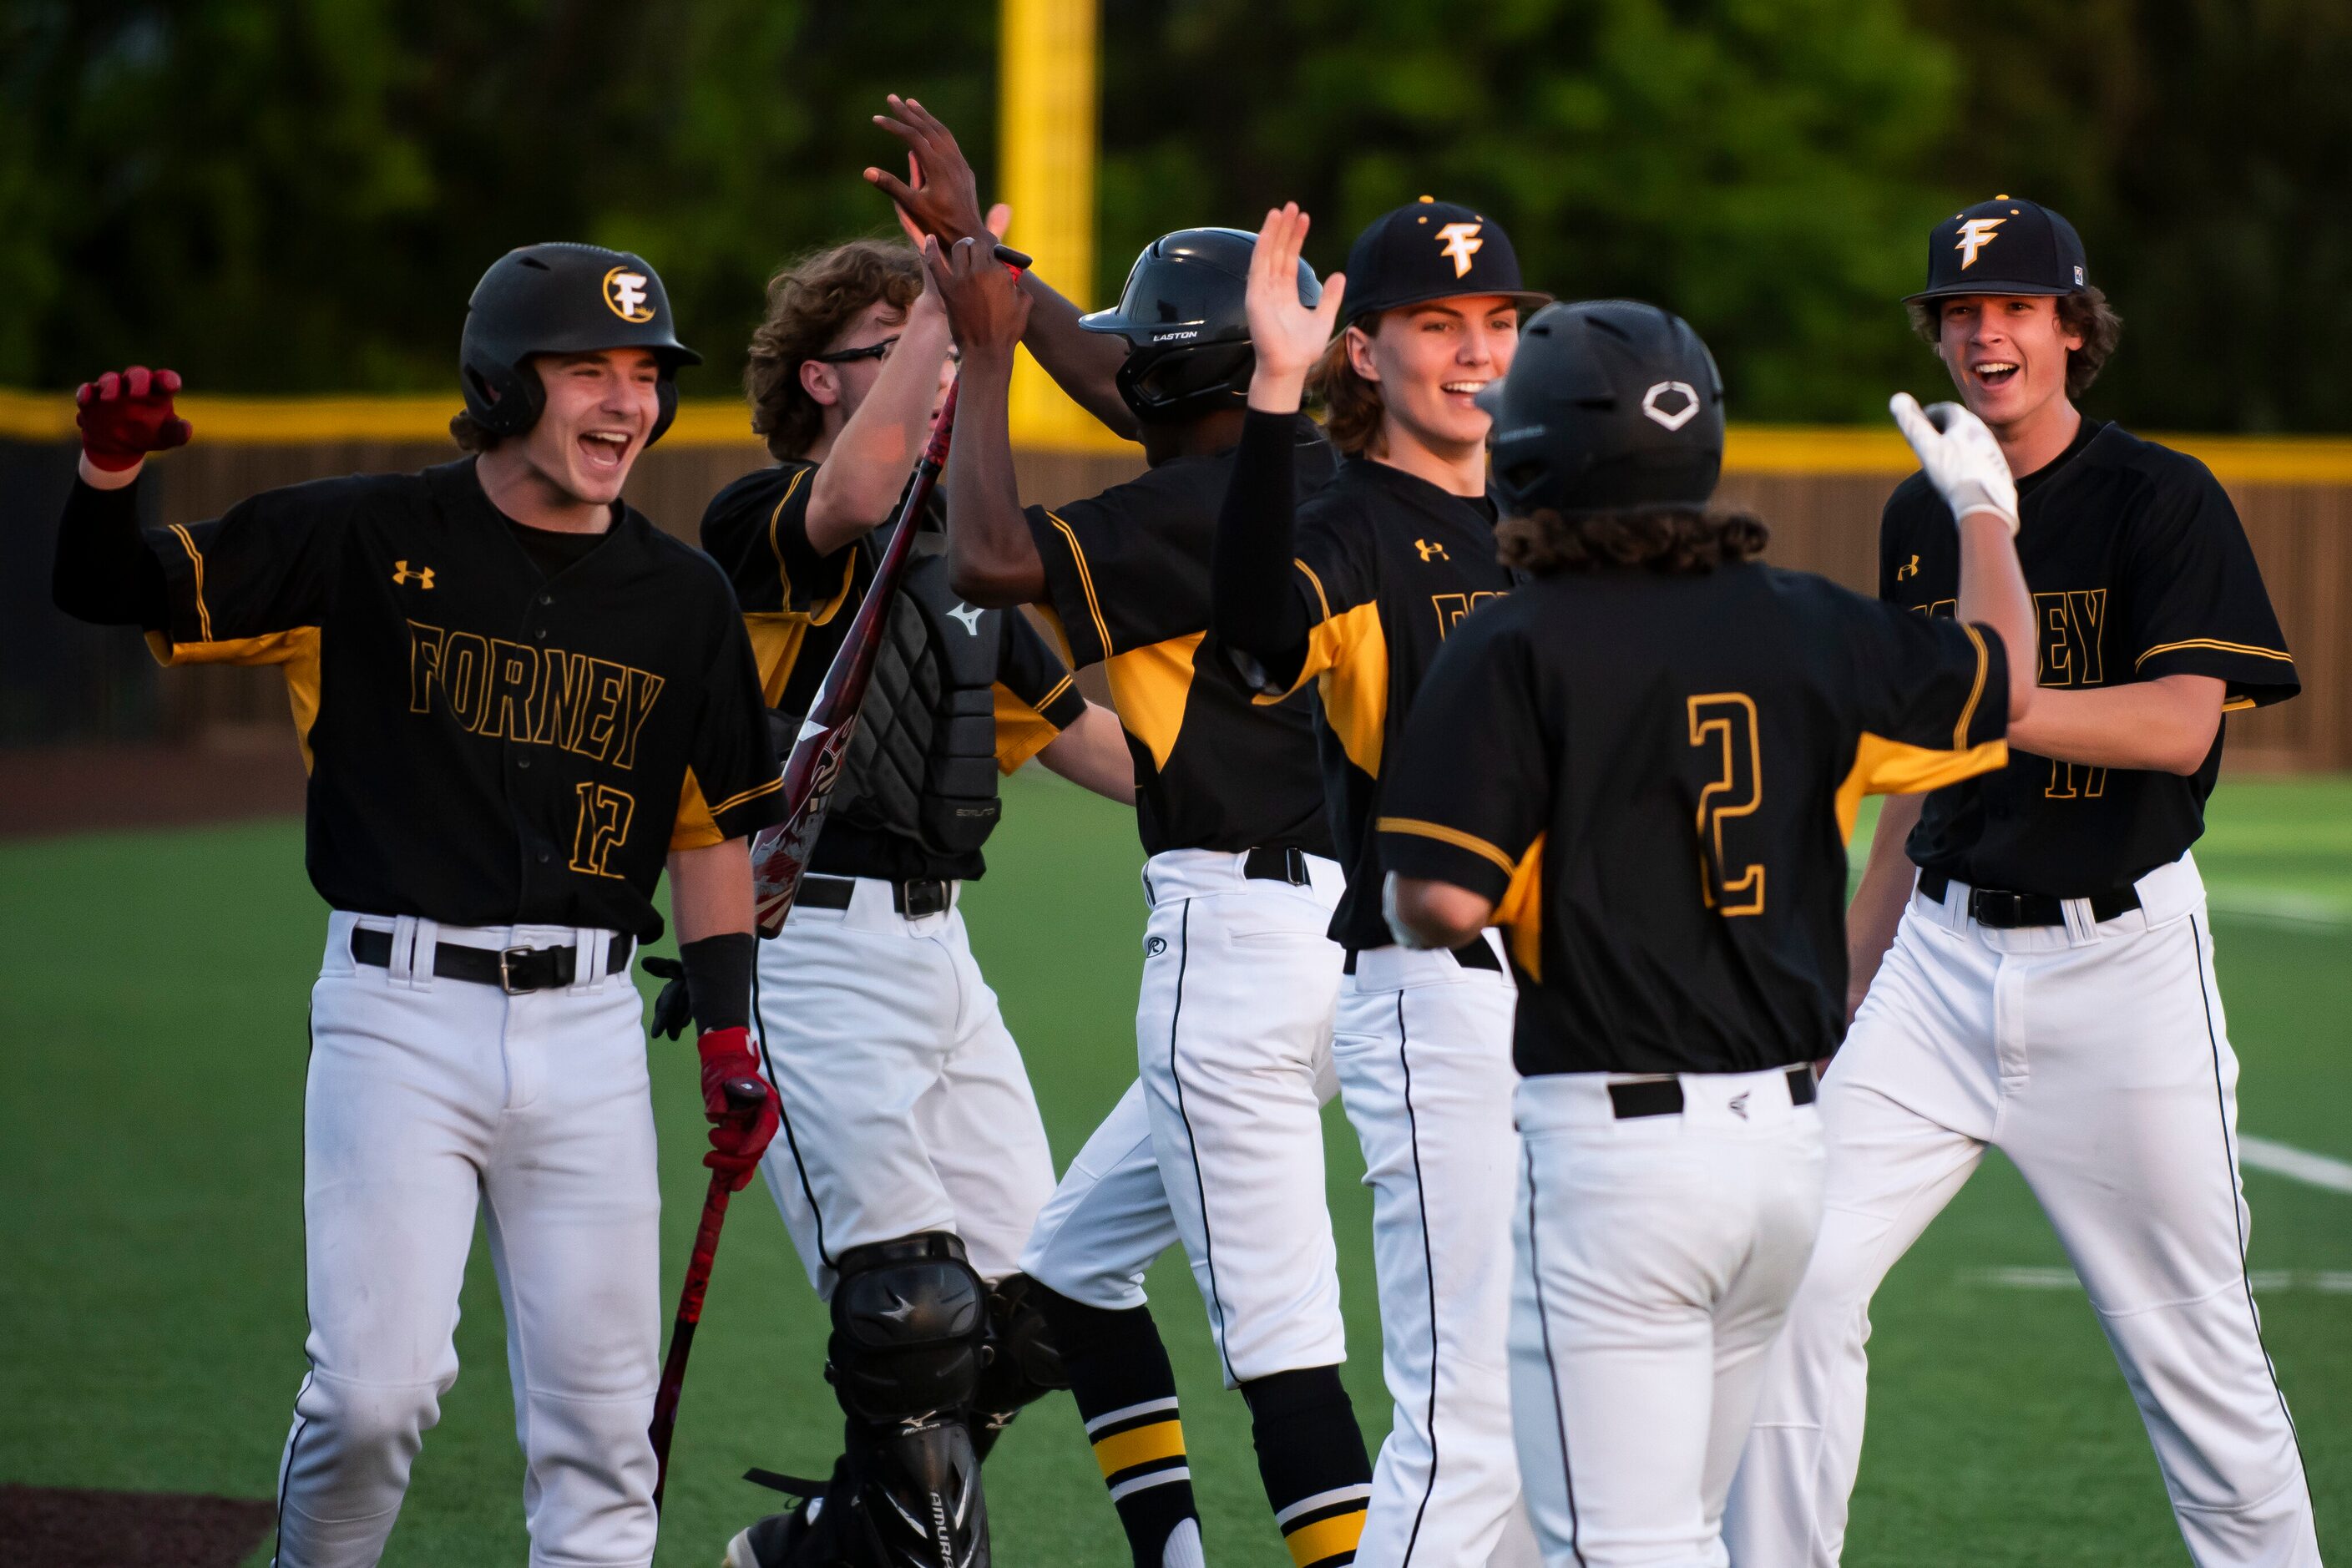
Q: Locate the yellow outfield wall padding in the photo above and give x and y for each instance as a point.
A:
(725, 422)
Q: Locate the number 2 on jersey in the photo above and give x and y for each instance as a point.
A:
(1725, 721)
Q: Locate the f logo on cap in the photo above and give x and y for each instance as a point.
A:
(1462, 243)
(624, 294)
(1671, 418)
(1975, 235)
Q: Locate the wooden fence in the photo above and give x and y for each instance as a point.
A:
(1820, 491)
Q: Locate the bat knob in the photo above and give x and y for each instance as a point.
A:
(744, 1094)
(1011, 258)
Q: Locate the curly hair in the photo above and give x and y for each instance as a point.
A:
(2085, 313)
(1682, 539)
(1351, 405)
(471, 434)
(810, 304)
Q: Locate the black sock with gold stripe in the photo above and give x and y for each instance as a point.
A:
(1126, 1391)
(1311, 1453)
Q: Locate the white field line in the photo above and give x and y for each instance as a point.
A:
(2279, 907)
(2327, 1282)
(2295, 1164)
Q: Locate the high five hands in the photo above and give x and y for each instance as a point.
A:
(939, 197)
(987, 310)
(1290, 337)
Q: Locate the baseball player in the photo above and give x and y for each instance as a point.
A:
(2033, 945)
(912, 1160)
(1646, 763)
(1233, 1024)
(517, 696)
(1355, 590)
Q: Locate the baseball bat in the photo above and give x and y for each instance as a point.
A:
(743, 1094)
(780, 855)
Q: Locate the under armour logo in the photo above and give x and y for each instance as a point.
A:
(1430, 551)
(422, 577)
(1156, 946)
(624, 294)
(1908, 569)
(968, 616)
(1462, 243)
(1975, 235)
(1738, 1106)
(1680, 393)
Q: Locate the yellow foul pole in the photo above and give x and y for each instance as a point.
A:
(1045, 94)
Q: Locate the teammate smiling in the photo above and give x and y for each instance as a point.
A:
(1354, 590)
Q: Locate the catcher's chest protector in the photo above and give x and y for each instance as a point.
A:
(923, 762)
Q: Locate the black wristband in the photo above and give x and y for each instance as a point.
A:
(1256, 609)
(104, 574)
(719, 979)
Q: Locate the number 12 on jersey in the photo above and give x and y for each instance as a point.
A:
(1724, 724)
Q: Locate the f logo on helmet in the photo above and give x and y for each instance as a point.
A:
(1654, 401)
(1462, 243)
(624, 294)
(1975, 235)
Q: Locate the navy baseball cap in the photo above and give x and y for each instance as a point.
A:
(2005, 245)
(1433, 250)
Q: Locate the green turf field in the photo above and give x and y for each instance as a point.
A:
(151, 1011)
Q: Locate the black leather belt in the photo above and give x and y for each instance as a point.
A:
(913, 899)
(1663, 1097)
(1469, 955)
(1268, 863)
(513, 970)
(2004, 910)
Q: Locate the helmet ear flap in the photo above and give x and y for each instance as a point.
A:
(666, 392)
(506, 400)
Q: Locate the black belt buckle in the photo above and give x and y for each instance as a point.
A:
(923, 896)
(1997, 908)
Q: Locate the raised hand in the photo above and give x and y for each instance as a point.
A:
(987, 310)
(1290, 337)
(125, 417)
(940, 196)
(1962, 459)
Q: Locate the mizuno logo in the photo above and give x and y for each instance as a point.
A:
(1975, 235)
(968, 616)
(1462, 243)
(422, 577)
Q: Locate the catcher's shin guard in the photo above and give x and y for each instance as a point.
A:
(910, 1328)
(1023, 1364)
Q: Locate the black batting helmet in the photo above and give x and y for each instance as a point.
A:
(561, 298)
(1609, 405)
(1182, 314)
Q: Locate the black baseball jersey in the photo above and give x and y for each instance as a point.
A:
(1655, 777)
(489, 744)
(1389, 565)
(1128, 572)
(2138, 569)
(797, 605)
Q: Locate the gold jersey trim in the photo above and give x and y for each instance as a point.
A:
(2216, 644)
(1444, 835)
(1882, 766)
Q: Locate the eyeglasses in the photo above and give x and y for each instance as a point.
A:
(871, 351)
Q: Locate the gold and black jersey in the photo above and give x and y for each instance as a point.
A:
(1654, 778)
(1127, 575)
(489, 744)
(1389, 566)
(2139, 569)
(797, 605)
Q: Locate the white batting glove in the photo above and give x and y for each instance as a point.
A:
(1961, 459)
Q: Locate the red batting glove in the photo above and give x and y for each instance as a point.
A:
(744, 1109)
(124, 418)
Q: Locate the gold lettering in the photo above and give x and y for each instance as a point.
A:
(465, 676)
(2057, 645)
(423, 665)
(514, 682)
(603, 827)
(1452, 607)
(645, 690)
(564, 699)
(608, 688)
(2087, 614)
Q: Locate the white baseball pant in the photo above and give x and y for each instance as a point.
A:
(1233, 1030)
(1656, 1258)
(906, 1105)
(2095, 1057)
(1423, 1051)
(425, 1098)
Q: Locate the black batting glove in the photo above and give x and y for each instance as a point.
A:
(674, 1008)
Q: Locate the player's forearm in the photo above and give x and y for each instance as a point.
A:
(1256, 609)
(992, 559)
(710, 890)
(104, 574)
(1877, 907)
(866, 467)
(1992, 593)
(1426, 913)
(1093, 753)
(1084, 364)
(2165, 725)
